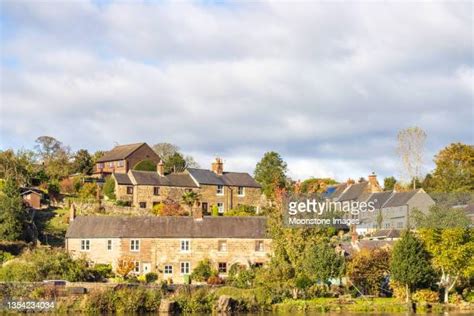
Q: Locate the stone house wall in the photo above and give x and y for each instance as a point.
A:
(145, 193)
(230, 198)
(145, 152)
(155, 253)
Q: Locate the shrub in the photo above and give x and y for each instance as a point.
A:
(88, 191)
(123, 203)
(125, 265)
(169, 208)
(203, 271)
(455, 298)
(240, 276)
(215, 280)
(399, 290)
(101, 271)
(5, 256)
(151, 277)
(241, 210)
(426, 296)
(67, 186)
(214, 211)
(109, 188)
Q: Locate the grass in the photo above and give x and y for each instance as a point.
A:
(52, 225)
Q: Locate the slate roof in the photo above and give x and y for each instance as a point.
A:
(173, 179)
(204, 176)
(354, 191)
(387, 233)
(400, 198)
(338, 190)
(253, 227)
(379, 198)
(120, 152)
(122, 178)
(366, 245)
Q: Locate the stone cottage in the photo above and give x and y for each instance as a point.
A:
(216, 187)
(170, 246)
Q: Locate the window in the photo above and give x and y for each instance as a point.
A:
(109, 244)
(185, 267)
(134, 245)
(120, 163)
(222, 245)
(222, 267)
(85, 245)
(220, 190)
(168, 269)
(137, 267)
(258, 264)
(142, 204)
(111, 164)
(220, 208)
(129, 190)
(185, 245)
(156, 190)
(100, 166)
(259, 245)
(240, 191)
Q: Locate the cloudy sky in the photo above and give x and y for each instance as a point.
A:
(327, 85)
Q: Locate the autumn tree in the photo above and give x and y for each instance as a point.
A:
(270, 172)
(316, 185)
(410, 264)
(411, 143)
(454, 170)
(125, 265)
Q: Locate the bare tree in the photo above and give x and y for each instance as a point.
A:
(411, 144)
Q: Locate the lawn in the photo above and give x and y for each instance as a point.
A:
(52, 225)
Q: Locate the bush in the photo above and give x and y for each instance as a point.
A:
(455, 298)
(426, 296)
(169, 208)
(215, 280)
(101, 272)
(109, 188)
(5, 256)
(88, 191)
(151, 277)
(214, 211)
(203, 271)
(124, 300)
(241, 210)
(240, 276)
(123, 203)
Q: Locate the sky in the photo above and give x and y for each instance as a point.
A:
(328, 85)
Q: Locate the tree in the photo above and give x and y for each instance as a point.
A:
(109, 188)
(125, 265)
(145, 165)
(175, 163)
(367, 270)
(13, 215)
(174, 160)
(88, 191)
(165, 150)
(316, 185)
(83, 162)
(411, 142)
(323, 263)
(270, 172)
(54, 157)
(18, 166)
(454, 170)
(190, 198)
(450, 241)
(389, 183)
(411, 263)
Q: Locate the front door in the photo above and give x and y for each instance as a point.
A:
(146, 267)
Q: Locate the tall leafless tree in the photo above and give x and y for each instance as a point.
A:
(411, 145)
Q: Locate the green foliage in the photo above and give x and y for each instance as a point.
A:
(316, 185)
(124, 301)
(5, 256)
(270, 172)
(175, 163)
(101, 271)
(151, 277)
(454, 170)
(440, 217)
(18, 166)
(411, 264)
(202, 271)
(195, 301)
(13, 215)
(367, 270)
(43, 264)
(214, 211)
(88, 191)
(389, 183)
(54, 189)
(109, 188)
(241, 210)
(123, 203)
(241, 276)
(322, 263)
(426, 296)
(145, 165)
(189, 198)
(83, 162)
(54, 156)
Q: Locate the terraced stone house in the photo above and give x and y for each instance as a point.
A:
(217, 188)
(170, 246)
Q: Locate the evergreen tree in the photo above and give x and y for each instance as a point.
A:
(270, 172)
(13, 215)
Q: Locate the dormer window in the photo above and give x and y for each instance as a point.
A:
(220, 190)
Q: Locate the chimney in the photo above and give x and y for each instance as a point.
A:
(218, 166)
(72, 213)
(160, 168)
(373, 183)
(197, 211)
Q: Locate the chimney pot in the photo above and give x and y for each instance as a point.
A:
(218, 166)
(160, 168)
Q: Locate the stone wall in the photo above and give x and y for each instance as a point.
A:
(230, 198)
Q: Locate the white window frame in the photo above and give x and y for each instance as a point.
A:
(222, 242)
(187, 245)
(135, 245)
(85, 244)
(186, 267)
(259, 242)
(100, 165)
(170, 270)
(240, 193)
(111, 164)
(120, 163)
(137, 267)
(110, 245)
(220, 190)
(220, 209)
